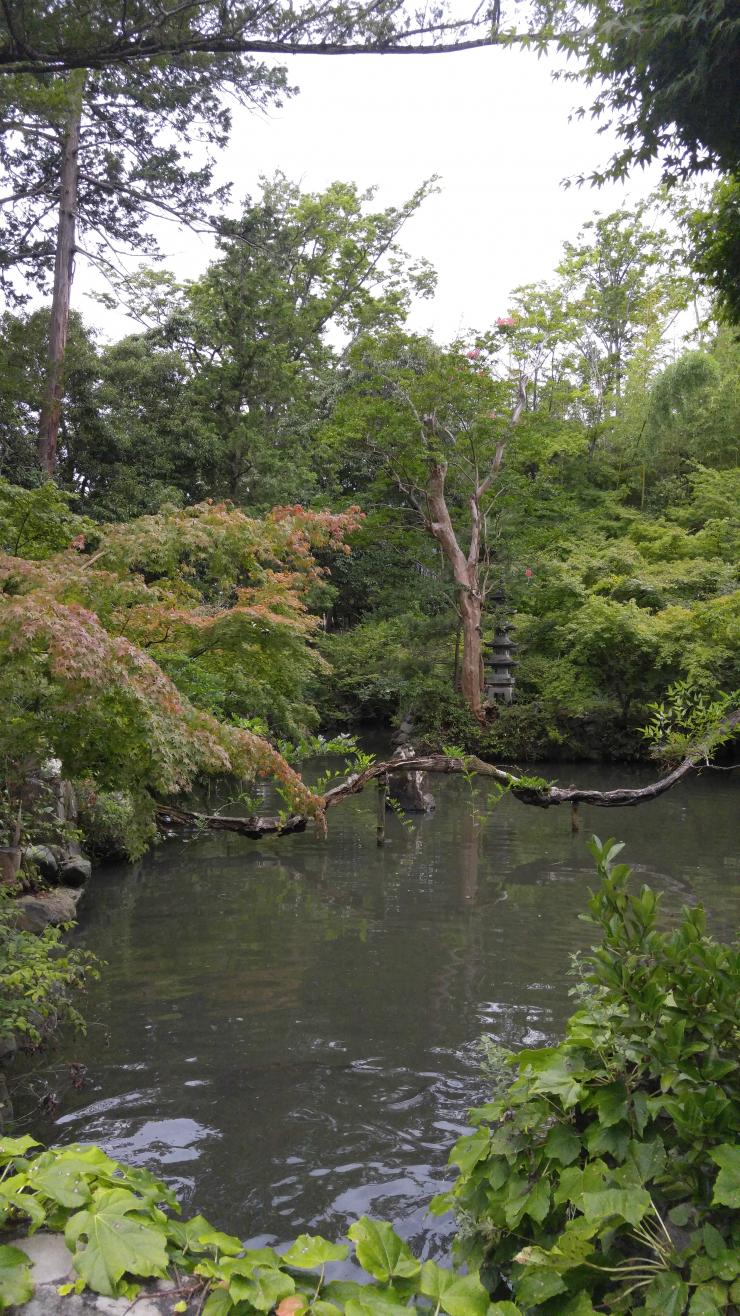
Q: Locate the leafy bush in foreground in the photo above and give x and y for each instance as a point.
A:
(605, 1175)
(37, 976)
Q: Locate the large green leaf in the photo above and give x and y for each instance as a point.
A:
(668, 1294)
(381, 1252)
(458, 1295)
(727, 1183)
(218, 1303)
(309, 1251)
(469, 1150)
(116, 1244)
(63, 1183)
(629, 1203)
(263, 1290)
(537, 1285)
(16, 1285)
(372, 1303)
(612, 1103)
(562, 1144)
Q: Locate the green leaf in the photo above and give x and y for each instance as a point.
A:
(10, 1147)
(538, 1202)
(668, 1294)
(469, 1150)
(308, 1252)
(218, 1303)
(224, 1243)
(441, 1204)
(703, 1302)
(263, 1290)
(537, 1285)
(16, 1285)
(381, 1252)
(372, 1303)
(188, 1234)
(504, 1309)
(64, 1184)
(562, 1144)
(458, 1295)
(727, 1183)
(629, 1203)
(612, 1103)
(116, 1244)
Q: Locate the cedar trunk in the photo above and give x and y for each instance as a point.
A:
(51, 408)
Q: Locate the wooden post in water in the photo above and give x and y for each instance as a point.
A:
(382, 797)
(575, 822)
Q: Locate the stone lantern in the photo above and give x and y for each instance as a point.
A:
(499, 680)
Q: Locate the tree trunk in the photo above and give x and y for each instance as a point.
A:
(471, 607)
(51, 408)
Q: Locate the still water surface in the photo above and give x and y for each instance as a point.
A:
(288, 1032)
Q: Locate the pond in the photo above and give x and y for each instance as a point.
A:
(289, 1032)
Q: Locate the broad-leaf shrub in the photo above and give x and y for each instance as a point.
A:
(605, 1174)
(38, 976)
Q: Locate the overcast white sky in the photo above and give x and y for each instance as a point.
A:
(493, 125)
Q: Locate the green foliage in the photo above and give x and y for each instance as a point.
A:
(603, 1173)
(38, 978)
(690, 717)
(114, 824)
(120, 1227)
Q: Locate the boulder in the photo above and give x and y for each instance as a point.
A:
(75, 871)
(34, 913)
(43, 860)
(407, 788)
(51, 1263)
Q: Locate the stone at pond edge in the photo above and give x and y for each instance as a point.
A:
(75, 871)
(43, 860)
(34, 913)
(52, 1266)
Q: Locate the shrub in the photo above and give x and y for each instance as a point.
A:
(603, 1175)
(37, 976)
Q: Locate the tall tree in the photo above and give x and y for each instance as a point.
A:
(219, 396)
(436, 424)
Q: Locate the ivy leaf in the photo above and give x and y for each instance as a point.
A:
(538, 1202)
(556, 1079)
(16, 1285)
(668, 1294)
(630, 1203)
(458, 1295)
(381, 1252)
(10, 1147)
(562, 1144)
(727, 1183)
(504, 1309)
(308, 1252)
(264, 1290)
(116, 1244)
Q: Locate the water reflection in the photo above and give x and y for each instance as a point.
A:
(288, 1032)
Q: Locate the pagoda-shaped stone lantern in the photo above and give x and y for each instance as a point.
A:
(499, 679)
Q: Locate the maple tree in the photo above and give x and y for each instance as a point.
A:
(208, 589)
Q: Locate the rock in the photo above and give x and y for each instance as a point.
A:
(43, 860)
(407, 788)
(51, 1263)
(34, 913)
(75, 871)
(8, 1048)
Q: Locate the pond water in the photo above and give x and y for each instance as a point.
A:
(288, 1031)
